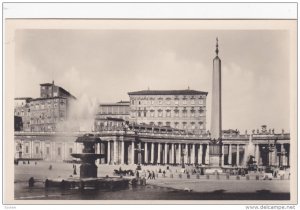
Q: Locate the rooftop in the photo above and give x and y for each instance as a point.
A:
(121, 103)
(23, 98)
(168, 92)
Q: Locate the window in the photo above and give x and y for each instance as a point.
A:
(201, 101)
(62, 103)
(168, 124)
(192, 125)
(152, 113)
(160, 113)
(152, 101)
(160, 101)
(184, 125)
(184, 101)
(70, 150)
(184, 112)
(36, 150)
(201, 125)
(26, 149)
(168, 100)
(168, 114)
(176, 111)
(59, 151)
(159, 123)
(145, 112)
(176, 124)
(192, 100)
(176, 101)
(192, 112)
(132, 102)
(201, 111)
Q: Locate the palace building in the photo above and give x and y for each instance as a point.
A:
(179, 109)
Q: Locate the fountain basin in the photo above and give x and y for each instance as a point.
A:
(90, 183)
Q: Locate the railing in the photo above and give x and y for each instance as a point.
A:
(175, 135)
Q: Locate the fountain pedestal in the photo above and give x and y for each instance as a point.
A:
(88, 168)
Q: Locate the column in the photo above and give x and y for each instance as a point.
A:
(122, 152)
(237, 155)
(132, 152)
(179, 153)
(283, 155)
(152, 153)
(146, 152)
(200, 154)
(276, 156)
(193, 154)
(258, 155)
(115, 153)
(172, 154)
(108, 152)
(222, 157)
(230, 155)
(245, 155)
(158, 154)
(207, 154)
(166, 153)
(31, 149)
(186, 153)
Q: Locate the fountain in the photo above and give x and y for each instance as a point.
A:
(88, 168)
(88, 178)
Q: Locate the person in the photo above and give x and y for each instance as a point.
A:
(164, 173)
(149, 175)
(74, 172)
(153, 175)
(50, 167)
(137, 174)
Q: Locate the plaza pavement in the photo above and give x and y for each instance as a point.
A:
(41, 171)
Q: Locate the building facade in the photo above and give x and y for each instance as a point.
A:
(111, 116)
(45, 113)
(179, 109)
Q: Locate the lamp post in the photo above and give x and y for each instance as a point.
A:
(183, 153)
(139, 151)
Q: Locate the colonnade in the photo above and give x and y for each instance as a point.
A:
(154, 151)
(120, 152)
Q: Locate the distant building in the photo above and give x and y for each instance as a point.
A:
(179, 109)
(22, 114)
(44, 113)
(111, 116)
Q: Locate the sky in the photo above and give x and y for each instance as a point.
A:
(104, 65)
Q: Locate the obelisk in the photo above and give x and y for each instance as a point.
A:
(216, 113)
